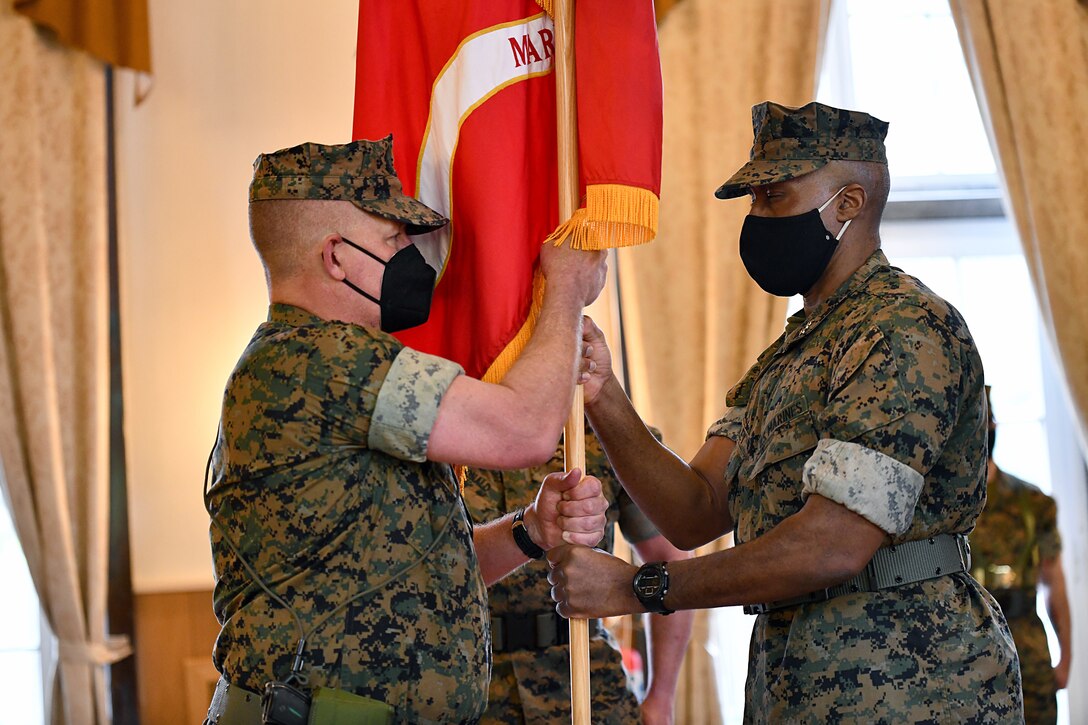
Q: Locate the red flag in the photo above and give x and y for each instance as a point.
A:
(466, 88)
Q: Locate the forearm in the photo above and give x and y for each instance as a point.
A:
(517, 422)
(496, 550)
(1057, 604)
(541, 381)
(819, 547)
(680, 502)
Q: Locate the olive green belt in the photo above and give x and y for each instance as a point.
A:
(513, 632)
(233, 705)
(891, 567)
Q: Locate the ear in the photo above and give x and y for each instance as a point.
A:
(850, 202)
(330, 257)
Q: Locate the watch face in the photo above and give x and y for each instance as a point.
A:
(648, 583)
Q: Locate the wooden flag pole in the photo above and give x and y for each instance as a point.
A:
(574, 445)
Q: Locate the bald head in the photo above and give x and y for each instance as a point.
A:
(288, 234)
(872, 177)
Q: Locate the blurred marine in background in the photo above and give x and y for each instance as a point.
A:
(1015, 547)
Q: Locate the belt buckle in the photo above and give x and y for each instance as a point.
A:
(547, 630)
(964, 547)
(755, 609)
(498, 634)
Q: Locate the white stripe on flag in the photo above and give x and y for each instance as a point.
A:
(483, 65)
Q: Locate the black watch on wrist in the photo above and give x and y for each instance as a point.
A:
(651, 584)
(522, 538)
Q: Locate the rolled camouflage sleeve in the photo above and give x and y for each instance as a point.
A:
(407, 404)
(875, 486)
(728, 426)
(894, 394)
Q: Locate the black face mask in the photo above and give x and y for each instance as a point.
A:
(407, 286)
(786, 255)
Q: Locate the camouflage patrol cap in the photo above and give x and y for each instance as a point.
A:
(360, 172)
(791, 142)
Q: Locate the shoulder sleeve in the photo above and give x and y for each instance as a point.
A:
(728, 426)
(897, 389)
(407, 404)
(891, 409)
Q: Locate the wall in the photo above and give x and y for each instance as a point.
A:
(231, 80)
(175, 676)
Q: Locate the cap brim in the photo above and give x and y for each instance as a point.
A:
(417, 217)
(760, 172)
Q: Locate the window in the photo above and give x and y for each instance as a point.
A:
(21, 637)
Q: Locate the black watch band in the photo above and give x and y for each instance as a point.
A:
(522, 538)
(651, 584)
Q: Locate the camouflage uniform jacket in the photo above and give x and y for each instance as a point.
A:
(1017, 530)
(534, 686)
(874, 401)
(322, 483)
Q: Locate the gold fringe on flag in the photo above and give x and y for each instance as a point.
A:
(614, 216)
(514, 348)
(547, 6)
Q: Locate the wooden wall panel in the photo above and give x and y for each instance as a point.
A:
(175, 632)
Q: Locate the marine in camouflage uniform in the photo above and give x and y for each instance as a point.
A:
(1015, 541)
(332, 532)
(321, 480)
(884, 367)
(861, 429)
(532, 685)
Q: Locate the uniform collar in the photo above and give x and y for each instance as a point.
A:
(799, 325)
(285, 314)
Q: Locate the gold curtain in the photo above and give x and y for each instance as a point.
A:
(1029, 65)
(114, 31)
(663, 7)
(694, 321)
(54, 355)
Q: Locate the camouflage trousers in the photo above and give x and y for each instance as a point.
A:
(1037, 674)
(533, 688)
(931, 652)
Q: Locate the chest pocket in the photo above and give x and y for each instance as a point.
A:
(790, 438)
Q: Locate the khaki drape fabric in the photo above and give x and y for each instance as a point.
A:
(1029, 65)
(694, 320)
(664, 7)
(114, 31)
(54, 355)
